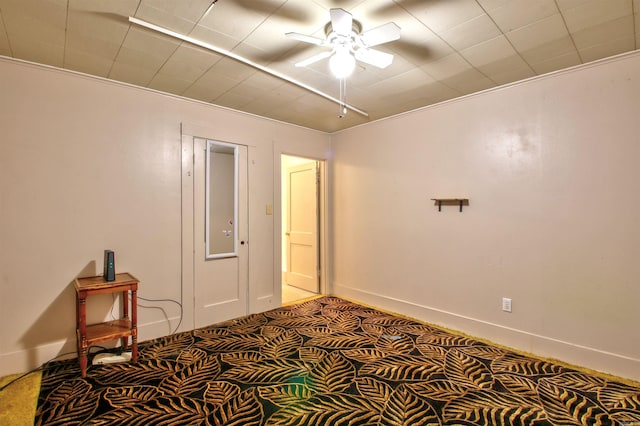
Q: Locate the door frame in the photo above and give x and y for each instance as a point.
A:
(323, 223)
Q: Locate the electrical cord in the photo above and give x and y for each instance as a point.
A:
(165, 300)
(41, 367)
(113, 298)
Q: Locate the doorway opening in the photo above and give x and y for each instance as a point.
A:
(302, 230)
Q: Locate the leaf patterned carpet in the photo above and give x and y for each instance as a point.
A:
(330, 362)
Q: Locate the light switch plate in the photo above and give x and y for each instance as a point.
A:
(506, 304)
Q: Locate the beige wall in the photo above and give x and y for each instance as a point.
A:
(551, 170)
(87, 164)
(549, 166)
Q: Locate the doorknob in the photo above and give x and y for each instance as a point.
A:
(241, 243)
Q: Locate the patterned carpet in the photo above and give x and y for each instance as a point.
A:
(330, 362)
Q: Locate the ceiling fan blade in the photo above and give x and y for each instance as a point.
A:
(374, 57)
(382, 34)
(341, 21)
(305, 38)
(314, 58)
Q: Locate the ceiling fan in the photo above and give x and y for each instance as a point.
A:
(348, 43)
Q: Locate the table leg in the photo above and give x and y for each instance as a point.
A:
(134, 324)
(125, 315)
(81, 312)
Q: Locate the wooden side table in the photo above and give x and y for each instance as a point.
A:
(110, 330)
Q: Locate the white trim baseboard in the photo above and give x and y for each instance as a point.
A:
(544, 346)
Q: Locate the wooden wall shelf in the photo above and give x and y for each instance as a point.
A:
(450, 202)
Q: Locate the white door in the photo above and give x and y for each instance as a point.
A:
(220, 231)
(302, 227)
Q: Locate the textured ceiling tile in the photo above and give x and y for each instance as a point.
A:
(169, 84)
(612, 30)
(36, 30)
(365, 74)
(98, 25)
(214, 38)
(95, 32)
(449, 66)
(417, 43)
(345, 4)
(279, 96)
(141, 56)
(637, 24)
(424, 46)
(291, 71)
(38, 51)
(402, 83)
(243, 23)
(253, 53)
(289, 91)
(259, 83)
(316, 112)
(518, 13)
(189, 63)
(438, 92)
(490, 5)
(596, 12)
(423, 89)
(442, 15)
(138, 74)
(512, 74)
(503, 67)
(570, 4)
(231, 99)
(373, 13)
(116, 10)
(489, 52)
(471, 32)
(5, 49)
(469, 81)
(608, 48)
(539, 33)
(556, 63)
(179, 16)
(232, 69)
(549, 50)
(86, 62)
(150, 43)
(269, 38)
(261, 106)
(210, 86)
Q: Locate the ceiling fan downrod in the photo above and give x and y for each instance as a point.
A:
(343, 97)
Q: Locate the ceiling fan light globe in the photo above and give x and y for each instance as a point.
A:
(342, 64)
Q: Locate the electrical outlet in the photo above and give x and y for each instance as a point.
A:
(506, 304)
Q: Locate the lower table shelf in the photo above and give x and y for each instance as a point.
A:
(109, 330)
